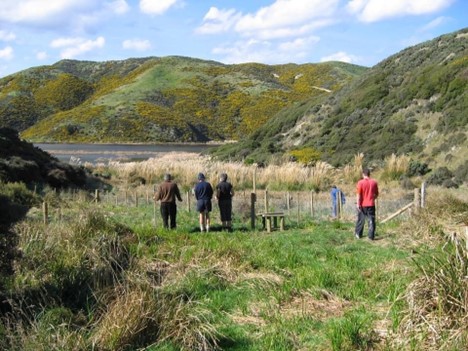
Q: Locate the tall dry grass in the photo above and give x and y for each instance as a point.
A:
(185, 167)
(436, 313)
(395, 166)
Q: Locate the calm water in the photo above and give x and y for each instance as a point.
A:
(76, 153)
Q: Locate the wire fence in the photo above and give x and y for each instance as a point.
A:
(298, 207)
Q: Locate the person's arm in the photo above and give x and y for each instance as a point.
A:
(177, 193)
(157, 194)
(358, 197)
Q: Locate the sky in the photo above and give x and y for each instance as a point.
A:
(364, 32)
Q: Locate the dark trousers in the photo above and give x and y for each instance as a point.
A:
(168, 212)
(363, 213)
(225, 209)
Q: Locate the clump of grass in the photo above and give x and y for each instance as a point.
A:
(128, 317)
(395, 167)
(352, 332)
(437, 300)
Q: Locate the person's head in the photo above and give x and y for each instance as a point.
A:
(167, 177)
(223, 177)
(333, 186)
(201, 176)
(366, 172)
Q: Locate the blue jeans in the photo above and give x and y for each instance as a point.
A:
(363, 213)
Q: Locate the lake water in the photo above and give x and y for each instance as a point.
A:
(78, 153)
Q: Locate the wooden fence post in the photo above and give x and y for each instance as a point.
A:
(312, 210)
(417, 200)
(96, 195)
(298, 209)
(288, 202)
(136, 198)
(154, 207)
(253, 198)
(254, 180)
(45, 212)
(423, 194)
(266, 201)
(339, 204)
(188, 201)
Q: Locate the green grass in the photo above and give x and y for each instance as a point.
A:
(323, 259)
(311, 287)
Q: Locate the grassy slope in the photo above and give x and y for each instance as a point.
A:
(411, 103)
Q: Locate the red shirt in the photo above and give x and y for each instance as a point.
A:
(367, 190)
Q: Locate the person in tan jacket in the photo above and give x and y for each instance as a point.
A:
(167, 193)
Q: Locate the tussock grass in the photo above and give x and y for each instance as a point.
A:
(435, 317)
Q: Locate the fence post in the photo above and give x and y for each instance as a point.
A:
(288, 203)
(254, 180)
(298, 209)
(423, 194)
(339, 204)
(154, 207)
(312, 214)
(253, 198)
(266, 200)
(96, 195)
(45, 212)
(136, 198)
(417, 200)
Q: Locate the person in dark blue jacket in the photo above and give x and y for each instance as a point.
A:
(336, 195)
(203, 193)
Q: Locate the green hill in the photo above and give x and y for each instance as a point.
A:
(169, 99)
(414, 102)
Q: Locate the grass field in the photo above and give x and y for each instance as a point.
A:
(102, 276)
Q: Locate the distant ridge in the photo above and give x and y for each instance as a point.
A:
(167, 99)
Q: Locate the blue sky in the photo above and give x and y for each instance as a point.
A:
(364, 32)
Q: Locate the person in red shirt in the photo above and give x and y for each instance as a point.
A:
(367, 191)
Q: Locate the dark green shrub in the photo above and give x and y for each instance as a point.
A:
(439, 176)
(461, 173)
(417, 168)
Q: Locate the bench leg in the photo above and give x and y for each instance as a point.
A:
(268, 221)
(281, 223)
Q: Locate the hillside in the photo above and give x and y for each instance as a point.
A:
(415, 102)
(20, 161)
(169, 99)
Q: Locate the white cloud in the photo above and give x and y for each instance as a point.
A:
(284, 18)
(73, 47)
(156, 7)
(298, 44)
(376, 10)
(66, 16)
(7, 36)
(33, 11)
(41, 55)
(434, 23)
(340, 56)
(6, 53)
(136, 44)
(270, 52)
(119, 6)
(218, 21)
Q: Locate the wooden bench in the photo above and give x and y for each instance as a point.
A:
(267, 217)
